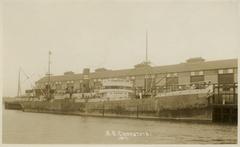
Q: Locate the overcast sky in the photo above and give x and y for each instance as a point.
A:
(112, 34)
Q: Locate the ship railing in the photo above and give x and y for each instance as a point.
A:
(182, 87)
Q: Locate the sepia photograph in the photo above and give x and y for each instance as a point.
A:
(120, 72)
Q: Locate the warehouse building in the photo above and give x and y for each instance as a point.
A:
(146, 78)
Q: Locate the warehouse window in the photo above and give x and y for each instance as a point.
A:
(200, 72)
(197, 79)
(226, 78)
(192, 73)
(172, 74)
(230, 71)
(220, 71)
(172, 80)
(196, 73)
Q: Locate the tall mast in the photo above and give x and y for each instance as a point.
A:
(147, 46)
(146, 62)
(49, 72)
(19, 83)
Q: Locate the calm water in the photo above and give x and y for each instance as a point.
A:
(23, 127)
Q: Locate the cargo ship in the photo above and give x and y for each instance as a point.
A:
(119, 101)
(119, 95)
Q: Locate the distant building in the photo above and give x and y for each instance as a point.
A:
(146, 78)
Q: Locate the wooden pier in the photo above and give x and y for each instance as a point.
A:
(225, 103)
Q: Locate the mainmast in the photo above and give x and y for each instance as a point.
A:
(146, 47)
(147, 62)
(19, 93)
(49, 75)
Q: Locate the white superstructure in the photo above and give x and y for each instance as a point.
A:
(116, 89)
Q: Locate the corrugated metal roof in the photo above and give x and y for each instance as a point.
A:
(182, 67)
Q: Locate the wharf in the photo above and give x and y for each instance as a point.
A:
(225, 103)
